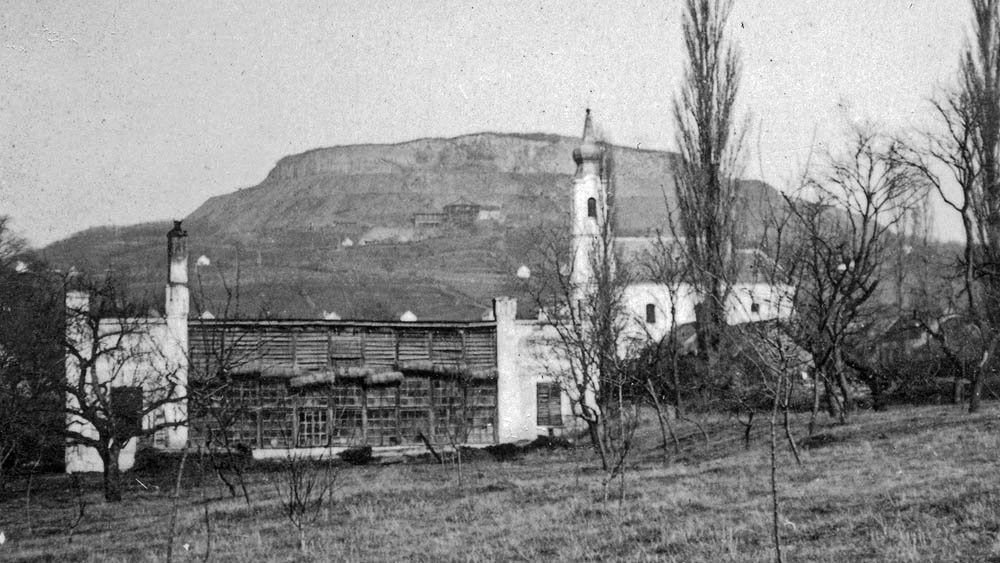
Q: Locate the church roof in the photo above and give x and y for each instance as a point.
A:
(589, 148)
(752, 265)
(461, 201)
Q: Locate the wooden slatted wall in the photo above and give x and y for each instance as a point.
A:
(348, 412)
(380, 349)
(311, 350)
(277, 347)
(481, 349)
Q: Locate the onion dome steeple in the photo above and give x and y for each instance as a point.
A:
(589, 148)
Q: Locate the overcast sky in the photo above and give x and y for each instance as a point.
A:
(125, 112)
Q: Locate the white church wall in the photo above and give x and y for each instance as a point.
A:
(747, 302)
(754, 302)
(638, 296)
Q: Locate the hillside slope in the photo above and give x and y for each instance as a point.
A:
(364, 185)
(286, 236)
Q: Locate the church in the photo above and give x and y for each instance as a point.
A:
(752, 296)
(319, 386)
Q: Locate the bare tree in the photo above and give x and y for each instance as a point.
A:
(764, 359)
(118, 380)
(965, 152)
(218, 408)
(579, 289)
(587, 326)
(665, 266)
(216, 356)
(763, 363)
(842, 225)
(304, 487)
(710, 140)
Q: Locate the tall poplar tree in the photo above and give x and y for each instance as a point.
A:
(710, 139)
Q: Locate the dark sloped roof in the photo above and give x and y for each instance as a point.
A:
(752, 264)
(462, 201)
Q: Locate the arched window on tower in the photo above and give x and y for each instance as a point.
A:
(650, 314)
(592, 208)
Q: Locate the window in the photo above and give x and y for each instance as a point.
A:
(754, 307)
(126, 410)
(312, 427)
(548, 400)
(592, 208)
(650, 314)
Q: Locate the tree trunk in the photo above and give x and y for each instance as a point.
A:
(675, 374)
(775, 507)
(664, 420)
(814, 414)
(879, 399)
(747, 429)
(112, 474)
(788, 435)
(595, 438)
(173, 509)
(832, 403)
(674, 371)
(845, 390)
(975, 394)
(957, 385)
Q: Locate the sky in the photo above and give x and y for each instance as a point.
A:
(127, 112)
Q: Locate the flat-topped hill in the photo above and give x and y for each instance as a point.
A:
(332, 229)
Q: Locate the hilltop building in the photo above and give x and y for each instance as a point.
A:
(461, 212)
(490, 212)
(317, 386)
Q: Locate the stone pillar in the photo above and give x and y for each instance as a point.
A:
(515, 421)
(175, 343)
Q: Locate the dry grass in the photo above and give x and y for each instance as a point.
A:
(918, 484)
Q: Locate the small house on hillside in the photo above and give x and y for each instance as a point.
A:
(489, 213)
(461, 212)
(387, 235)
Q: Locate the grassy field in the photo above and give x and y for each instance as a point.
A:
(914, 484)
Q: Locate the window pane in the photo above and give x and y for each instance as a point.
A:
(548, 404)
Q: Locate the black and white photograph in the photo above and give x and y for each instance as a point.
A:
(530, 280)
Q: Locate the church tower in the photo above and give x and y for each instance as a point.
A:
(589, 213)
